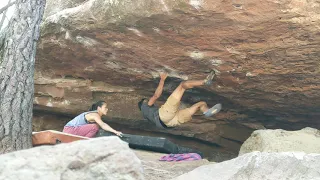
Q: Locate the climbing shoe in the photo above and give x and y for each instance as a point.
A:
(209, 78)
(212, 111)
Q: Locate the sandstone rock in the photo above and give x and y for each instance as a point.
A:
(262, 166)
(99, 158)
(267, 61)
(44, 121)
(306, 140)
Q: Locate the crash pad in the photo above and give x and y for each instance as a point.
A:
(155, 144)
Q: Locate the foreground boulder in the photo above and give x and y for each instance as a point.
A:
(261, 165)
(100, 158)
(306, 140)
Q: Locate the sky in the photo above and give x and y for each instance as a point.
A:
(8, 14)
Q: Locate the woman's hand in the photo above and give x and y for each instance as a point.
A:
(118, 133)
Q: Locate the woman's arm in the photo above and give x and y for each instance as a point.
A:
(105, 126)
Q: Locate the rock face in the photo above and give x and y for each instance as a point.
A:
(257, 165)
(306, 140)
(267, 61)
(100, 158)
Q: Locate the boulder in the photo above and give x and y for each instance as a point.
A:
(260, 166)
(306, 140)
(267, 61)
(96, 159)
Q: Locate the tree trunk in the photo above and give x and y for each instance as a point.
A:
(17, 59)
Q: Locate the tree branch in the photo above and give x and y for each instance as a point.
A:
(7, 6)
(4, 15)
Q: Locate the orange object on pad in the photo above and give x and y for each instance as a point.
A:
(53, 137)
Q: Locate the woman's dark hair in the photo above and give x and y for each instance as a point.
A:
(140, 103)
(96, 105)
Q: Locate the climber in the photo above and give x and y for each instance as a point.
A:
(169, 115)
(87, 123)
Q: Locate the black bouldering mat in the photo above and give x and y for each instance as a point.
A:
(155, 144)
